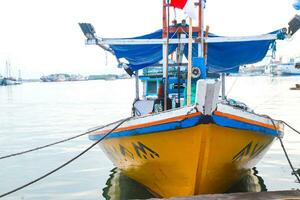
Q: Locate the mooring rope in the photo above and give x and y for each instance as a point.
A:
(267, 100)
(66, 163)
(58, 142)
(289, 161)
(232, 85)
(294, 172)
(290, 127)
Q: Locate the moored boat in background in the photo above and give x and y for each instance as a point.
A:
(290, 68)
(284, 68)
(9, 79)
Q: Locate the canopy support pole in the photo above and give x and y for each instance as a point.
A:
(179, 56)
(137, 89)
(189, 75)
(201, 32)
(190, 46)
(223, 86)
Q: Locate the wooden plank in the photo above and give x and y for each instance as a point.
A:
(189, 75)
(275, 195)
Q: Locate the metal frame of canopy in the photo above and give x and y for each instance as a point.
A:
(116, 41)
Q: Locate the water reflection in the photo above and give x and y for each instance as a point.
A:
(250, 182)
(119, 186)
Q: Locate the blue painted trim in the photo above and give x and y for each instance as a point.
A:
(185, 123)
(231, 123)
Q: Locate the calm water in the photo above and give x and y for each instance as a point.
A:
(35, 114)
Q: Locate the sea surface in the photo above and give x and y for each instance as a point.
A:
(35, 114)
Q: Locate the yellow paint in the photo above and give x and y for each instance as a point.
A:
(198, 160)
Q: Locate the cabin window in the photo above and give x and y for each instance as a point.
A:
(297, 66)
(152, 87)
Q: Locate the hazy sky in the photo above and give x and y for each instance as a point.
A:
(40, 37)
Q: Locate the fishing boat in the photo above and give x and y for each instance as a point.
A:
(281, 68)
(9, 79)
(290, 68)
(187, 139)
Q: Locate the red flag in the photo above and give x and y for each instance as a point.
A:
(187, 6)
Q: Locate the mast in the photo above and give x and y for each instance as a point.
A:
(166, 21)
(20, 76)
(200, 46)
(223, 86)
(201, 32)
(137, 91)
(8, 69)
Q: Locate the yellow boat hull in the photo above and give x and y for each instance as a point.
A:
(202, 159)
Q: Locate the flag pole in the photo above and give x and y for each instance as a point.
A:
(189, 75)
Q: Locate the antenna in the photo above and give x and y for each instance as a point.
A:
(8, 69)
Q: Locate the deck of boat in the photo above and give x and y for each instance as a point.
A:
(287, 195)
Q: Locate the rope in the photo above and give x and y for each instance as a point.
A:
(66, 163)
(231, 87)
(291, 127)
(55, 143)
(294, 172)
(267, 100)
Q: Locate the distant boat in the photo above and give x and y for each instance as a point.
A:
(55, 78)
(290, 68)
(62, 78)
(9, 79)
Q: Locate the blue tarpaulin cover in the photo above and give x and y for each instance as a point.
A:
(222, 57)
(140, 56)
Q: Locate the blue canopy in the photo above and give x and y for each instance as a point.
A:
(222, 57)
(228, 56)
(140, 56)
